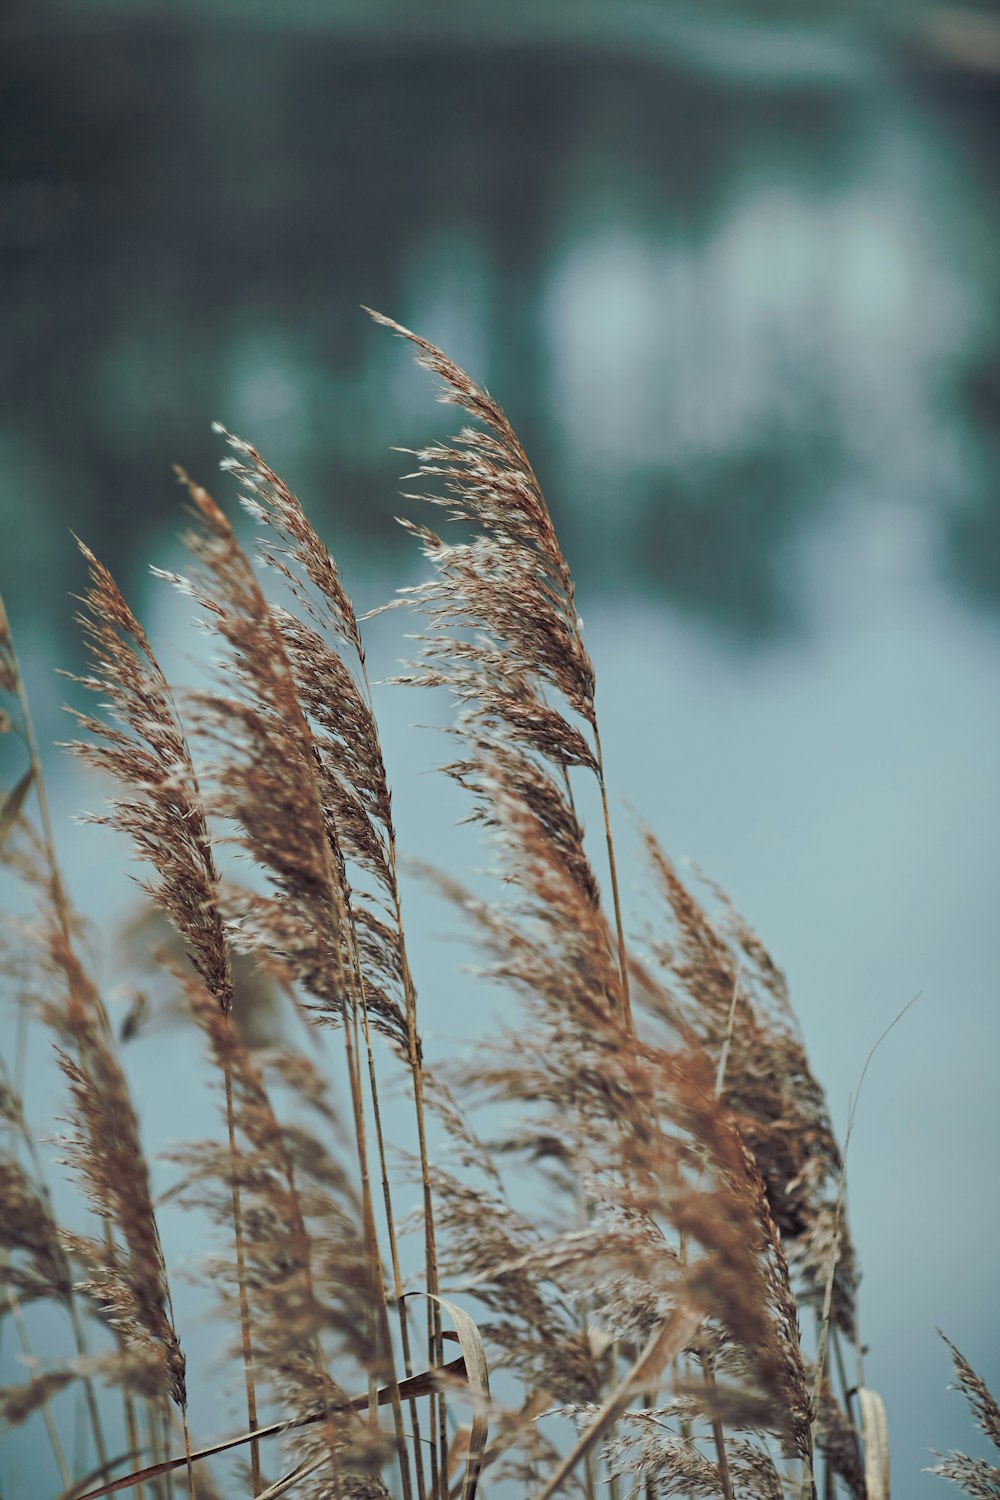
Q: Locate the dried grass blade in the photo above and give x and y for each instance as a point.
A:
(129, 1456)
(875, 1431)
(666, 1343)
(477, 1372)
(423, 1384)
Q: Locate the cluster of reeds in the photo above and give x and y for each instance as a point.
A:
(645, 1287)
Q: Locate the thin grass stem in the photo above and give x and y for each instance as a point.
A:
(615, 894)
(848, 1392)
(132, 1436)
(435, 1347)
(718, 1434)
(192, 1488)
(384, 1336)
(404, 1330)
(24, 1339)
(241, 1277)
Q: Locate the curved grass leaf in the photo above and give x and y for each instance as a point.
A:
(477, 1373)
(875, 1431)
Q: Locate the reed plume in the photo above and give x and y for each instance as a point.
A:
(267, 780)
(606, 1108)
(124, 1271)
(145, 749)
(728, 991)
(326, 652)
(973, 1476)
(511, 584)
(631, 1249)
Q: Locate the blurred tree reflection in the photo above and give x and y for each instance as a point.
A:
(716, 281)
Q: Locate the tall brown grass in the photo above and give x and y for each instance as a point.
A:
(670, 1309)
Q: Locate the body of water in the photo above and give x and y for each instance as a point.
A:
(745, 318)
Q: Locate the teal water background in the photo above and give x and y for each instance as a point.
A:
(734, 277)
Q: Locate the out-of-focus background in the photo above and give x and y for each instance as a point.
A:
(733, 271)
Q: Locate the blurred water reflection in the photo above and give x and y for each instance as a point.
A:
(708, 300)
(737, 287)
